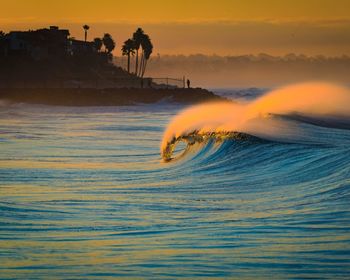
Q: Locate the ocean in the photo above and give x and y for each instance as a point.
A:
(85, 194)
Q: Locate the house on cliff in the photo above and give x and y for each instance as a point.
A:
(38, 44)
(77, 47)
(44, 43)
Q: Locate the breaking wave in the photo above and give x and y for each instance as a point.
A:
(294, 114)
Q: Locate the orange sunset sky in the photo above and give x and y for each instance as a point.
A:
(224, 27)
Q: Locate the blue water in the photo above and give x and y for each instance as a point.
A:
(85, 195)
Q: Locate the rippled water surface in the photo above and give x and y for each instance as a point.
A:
(84, 194)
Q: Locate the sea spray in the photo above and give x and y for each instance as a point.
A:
(229, 119)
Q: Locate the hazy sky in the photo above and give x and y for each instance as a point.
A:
(198, 26)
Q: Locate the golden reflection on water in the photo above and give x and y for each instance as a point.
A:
(63, 164)
(85, 193)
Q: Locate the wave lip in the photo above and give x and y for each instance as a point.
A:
(197, 137)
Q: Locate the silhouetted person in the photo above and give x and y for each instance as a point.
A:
(188, 83)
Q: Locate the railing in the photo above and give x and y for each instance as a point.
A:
(170, 82)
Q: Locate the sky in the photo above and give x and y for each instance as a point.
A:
(223, 27)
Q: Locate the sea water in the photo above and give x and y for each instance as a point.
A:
(85, 194)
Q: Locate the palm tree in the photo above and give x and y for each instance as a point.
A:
(144, 39)
(86, 28)
(137, 37)
(146, 51)
(98, 44)
(147, 48)
(108, 42)
(128, 49)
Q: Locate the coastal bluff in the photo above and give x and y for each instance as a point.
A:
(47, 66)
(106, 97)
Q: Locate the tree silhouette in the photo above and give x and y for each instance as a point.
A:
(108, 42)
(128, 49)
(143, 43)
(98, 44)
(86, 28)
(147, 49)
(137, 38)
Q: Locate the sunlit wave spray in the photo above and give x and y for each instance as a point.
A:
(229, 119)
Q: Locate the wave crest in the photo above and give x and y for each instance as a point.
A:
(197, 137)
(221, 120)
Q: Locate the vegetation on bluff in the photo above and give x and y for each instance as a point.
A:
(50, 54)
(139, 43)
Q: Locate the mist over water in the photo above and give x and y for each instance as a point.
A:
(85, 194)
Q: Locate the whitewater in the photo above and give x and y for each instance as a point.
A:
(256, 186)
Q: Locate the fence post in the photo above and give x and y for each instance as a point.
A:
(183, 82)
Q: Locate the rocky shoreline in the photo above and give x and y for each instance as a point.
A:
(105, 97)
